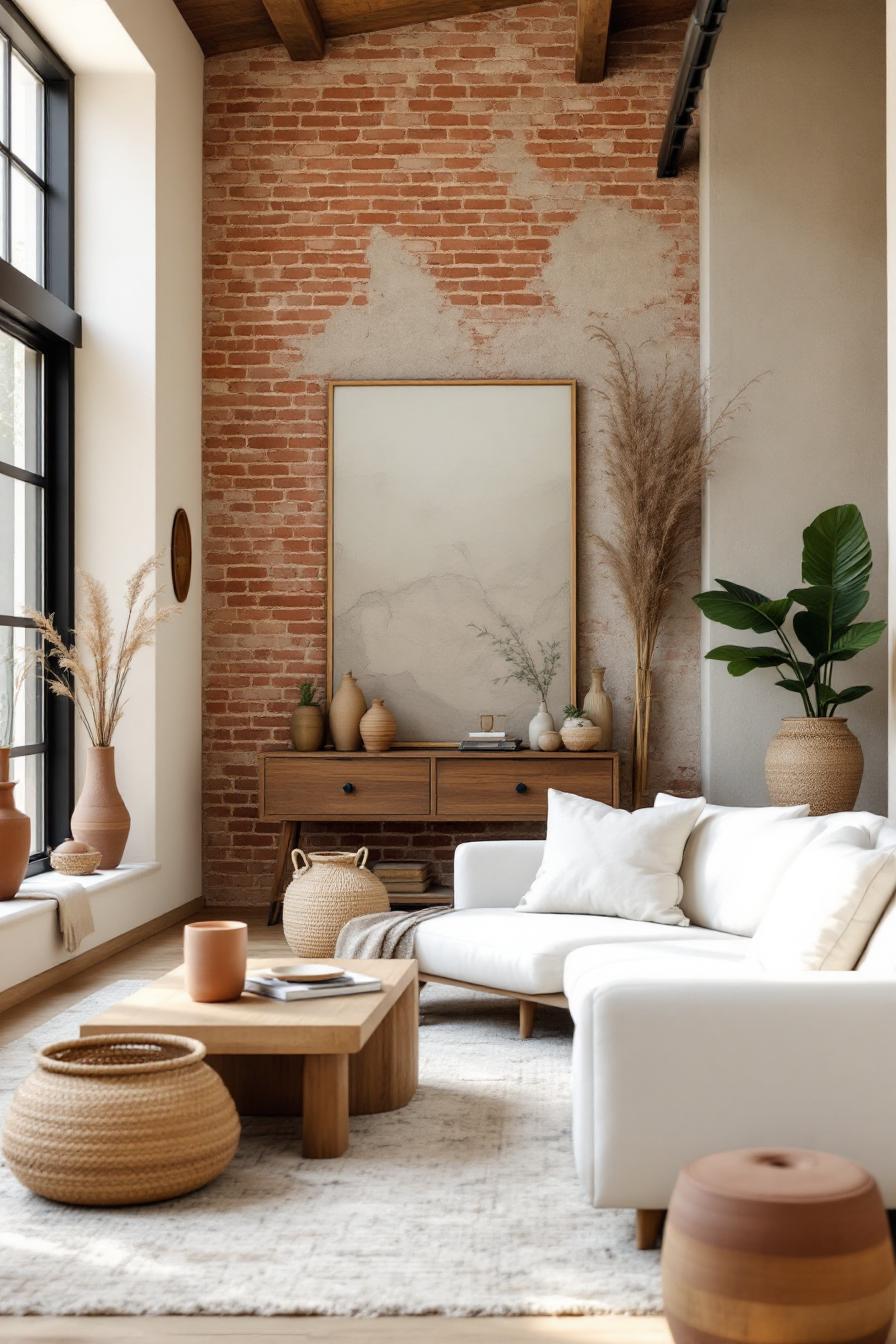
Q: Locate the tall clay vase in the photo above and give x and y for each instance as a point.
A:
(15, 835)
(100, 817)
(378, 727)
(347, 709)
(598, 707)
(814, 761)
(783, 1245)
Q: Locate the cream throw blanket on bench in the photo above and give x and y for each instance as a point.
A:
(388, 935)
(72, 900)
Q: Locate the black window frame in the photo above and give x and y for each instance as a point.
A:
(44, 318)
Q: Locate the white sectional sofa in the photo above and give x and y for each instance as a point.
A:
(683, 1045)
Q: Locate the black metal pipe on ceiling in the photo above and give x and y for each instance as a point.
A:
(704, 27)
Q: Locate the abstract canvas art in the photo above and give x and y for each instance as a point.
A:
(451, 509)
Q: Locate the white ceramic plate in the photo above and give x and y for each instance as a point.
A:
(307, 972)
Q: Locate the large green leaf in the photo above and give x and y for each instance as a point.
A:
(862, 635)
(836, 549)
(836, 607)
(828, 696)
(761, 655)
(743, 608)
(812, 631)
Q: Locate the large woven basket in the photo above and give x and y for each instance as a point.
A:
(125, 1119)
(325, 893)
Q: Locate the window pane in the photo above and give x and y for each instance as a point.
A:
(27, 106)
(4, 129)
(27, 226)
(28, 772)
(21, 545)
(20, 405)
(21, 697)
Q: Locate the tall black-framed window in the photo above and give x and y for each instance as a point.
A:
(39, 330)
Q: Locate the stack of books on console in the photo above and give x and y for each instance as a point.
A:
(497, 740)
(404, 879)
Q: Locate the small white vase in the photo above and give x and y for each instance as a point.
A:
(542, 722)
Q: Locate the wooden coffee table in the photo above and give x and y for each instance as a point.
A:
(323, 1060)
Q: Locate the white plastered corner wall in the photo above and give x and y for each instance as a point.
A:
(138, 226)
(793, 290)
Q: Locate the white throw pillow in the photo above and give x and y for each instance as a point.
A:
(735, 857)
(826, 905)
(601, 860)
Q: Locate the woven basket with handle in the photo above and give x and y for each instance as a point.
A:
(326, 891)
(124, 1119)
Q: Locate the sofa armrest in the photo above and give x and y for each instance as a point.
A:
(495, 872)
(668, 1066)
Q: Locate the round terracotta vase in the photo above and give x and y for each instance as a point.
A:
(307, 728)
(15, 835)
(786, 1245)
(215, 959)
(346, 712)
(814, 761)
(378, 727)
(100, 817)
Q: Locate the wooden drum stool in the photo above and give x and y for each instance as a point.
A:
(781, 1246)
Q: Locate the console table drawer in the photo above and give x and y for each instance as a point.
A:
(503, 789)
(317, 786)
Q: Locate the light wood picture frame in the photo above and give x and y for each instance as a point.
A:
(450, 504)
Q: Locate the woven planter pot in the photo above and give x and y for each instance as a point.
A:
(126, 1119)
(325, 893)
(814, 761)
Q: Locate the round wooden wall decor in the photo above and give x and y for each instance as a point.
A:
(181, 555)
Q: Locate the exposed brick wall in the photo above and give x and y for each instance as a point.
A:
(465, 151)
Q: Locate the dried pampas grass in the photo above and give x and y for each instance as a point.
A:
(93, 670)
(660, 448)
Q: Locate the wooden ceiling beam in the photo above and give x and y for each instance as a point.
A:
(299, 28)
(592, 36)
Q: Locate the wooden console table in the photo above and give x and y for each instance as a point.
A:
(410, 785)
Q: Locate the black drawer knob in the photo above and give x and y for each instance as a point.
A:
(522, 788)
(348, 788)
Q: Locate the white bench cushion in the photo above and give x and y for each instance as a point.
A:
(525, 952)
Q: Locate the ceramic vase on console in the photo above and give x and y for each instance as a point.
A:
(542, 722)
(15, 835)
(347, 709)
(598, 707)
(378, 727)
(307, 728)
(100, 817)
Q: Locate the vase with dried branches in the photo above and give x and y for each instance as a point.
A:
(92, 672)
(660, 446)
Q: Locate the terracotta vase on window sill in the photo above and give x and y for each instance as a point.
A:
(100, 817)
(15, 835)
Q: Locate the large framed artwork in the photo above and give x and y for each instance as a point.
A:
(451, 511)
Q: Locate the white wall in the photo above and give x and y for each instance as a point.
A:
(793, 258)
(138, 169)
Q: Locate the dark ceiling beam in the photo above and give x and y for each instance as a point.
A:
(592, 35)
(299, 28)
(704, 27)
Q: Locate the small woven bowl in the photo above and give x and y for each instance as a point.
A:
(75, 865)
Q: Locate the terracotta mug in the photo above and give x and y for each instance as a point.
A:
(215, 959)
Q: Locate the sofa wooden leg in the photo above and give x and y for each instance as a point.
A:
(527, 1019)
(648, 1226)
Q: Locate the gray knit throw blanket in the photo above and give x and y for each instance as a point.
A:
(390, 934)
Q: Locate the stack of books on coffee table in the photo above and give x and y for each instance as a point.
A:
(404, 879)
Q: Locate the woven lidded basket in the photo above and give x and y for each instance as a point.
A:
(74, 859)
(124, 1119)
(324, 894)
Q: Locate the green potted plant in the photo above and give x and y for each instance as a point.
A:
(577, 731)
(307, 726)
(814, 758)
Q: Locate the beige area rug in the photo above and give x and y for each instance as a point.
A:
(464, 1203)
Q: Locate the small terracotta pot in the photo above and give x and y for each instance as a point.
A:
(549, 741)
(378, 727)
(814, 761)
(346, 711)
(307, 728)
(15, 835)
(100, 817)
(777, 1244)
(215, 959)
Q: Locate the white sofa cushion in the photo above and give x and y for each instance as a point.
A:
(601, 860)
(735, 857)
(826, 904)
(526, 953)
(879, 957)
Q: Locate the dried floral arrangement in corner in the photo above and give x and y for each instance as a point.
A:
(93, 670)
